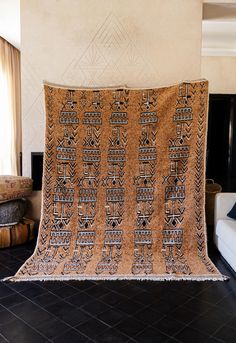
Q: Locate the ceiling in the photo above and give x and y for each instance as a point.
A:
(218, 26)
(10, 21)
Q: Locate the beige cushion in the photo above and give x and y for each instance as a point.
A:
(14, 187)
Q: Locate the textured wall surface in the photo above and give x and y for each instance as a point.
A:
(102, 43)
(220, 71)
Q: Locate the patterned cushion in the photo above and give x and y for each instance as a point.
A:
(14, 187)
(11, 212)
(17, 234)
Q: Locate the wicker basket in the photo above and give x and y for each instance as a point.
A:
(212, 189)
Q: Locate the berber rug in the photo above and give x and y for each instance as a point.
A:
(123, 185)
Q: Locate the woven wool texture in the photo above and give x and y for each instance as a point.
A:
(123, 185)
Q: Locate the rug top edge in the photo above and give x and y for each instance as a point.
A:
(115, 87)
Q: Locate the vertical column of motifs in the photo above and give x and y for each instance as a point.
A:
(199, 178)
(175, 189)
(38, 262)
(88, 184)
(114, 183)
(145, 184)
(62, 193)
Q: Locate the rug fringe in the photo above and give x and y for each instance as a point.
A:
(8, 278)
(114, 278)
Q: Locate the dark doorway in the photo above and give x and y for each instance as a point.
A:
(221, 141)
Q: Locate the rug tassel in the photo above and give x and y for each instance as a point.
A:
(160, 279)
(8, 278)
(225, 277)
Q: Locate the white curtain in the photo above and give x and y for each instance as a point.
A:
(10, 109)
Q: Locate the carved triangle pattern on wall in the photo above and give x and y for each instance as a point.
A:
(110, 52)
(109, 56)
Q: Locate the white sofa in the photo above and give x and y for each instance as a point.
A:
(225, 228)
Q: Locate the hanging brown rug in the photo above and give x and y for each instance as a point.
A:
(123, 185)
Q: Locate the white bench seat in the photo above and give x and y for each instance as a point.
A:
(225, 228)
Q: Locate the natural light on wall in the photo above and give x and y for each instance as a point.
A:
(10, 112)
(7, 166)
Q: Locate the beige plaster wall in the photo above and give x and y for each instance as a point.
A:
(220, 1)
(220, 71)
(103, 43)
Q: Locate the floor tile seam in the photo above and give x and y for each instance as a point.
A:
(209, 335)
(63, 321)
(27, 324)
(218, 329)
(2, 335)
(173, 336)
(74, 328)
(183, 327)
(210, 303)
(127, 296)
(5, 296)
(11, 296)
(228, 312)
(79, 291)
(46, 294)
(129, 316)
(112, 326)
(157, 321)
(167, 319)
(134, 313)
(82, 290)
(47, 291)
(77, 329)
(130, 340)
(42, 308)
(93, 316)
(232, 327)
(66, 297)
(218, 339)
(117, 293)
(97, 297)
(149, 326)
(205, 288)
(143, 308)
(5, 266)
(111, 284)
(204, 301)
(125, 334)
(169, 336)
(192, 321)
(228, 320)
(225, 297)
(102, 321)
(10, 262)
(81, 306)
(183, 300)
(176, 308)
(177, 340)
(7, 283)
(202, 311)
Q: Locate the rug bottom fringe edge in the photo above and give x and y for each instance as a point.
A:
(112, 278)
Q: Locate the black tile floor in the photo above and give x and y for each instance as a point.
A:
(115, 311)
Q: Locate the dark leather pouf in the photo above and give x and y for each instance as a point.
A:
(11, 212)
